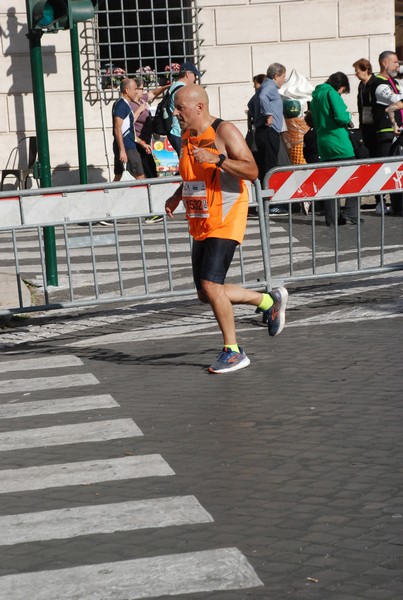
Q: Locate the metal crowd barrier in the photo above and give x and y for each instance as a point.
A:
(132, 261)
(332, 252)
(126, 261)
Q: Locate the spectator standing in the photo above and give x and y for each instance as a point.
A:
(250, 136)
(214, 162)
(187, 76)
(267, 113)
(363, 72)
(366, 77)
(331, 117)
(251, 133)
(143, 125)
(396, 147)
(124, 144)
(386, 91)
(311, 155)
(310, 149)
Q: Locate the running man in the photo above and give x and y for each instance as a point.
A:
(214, 161)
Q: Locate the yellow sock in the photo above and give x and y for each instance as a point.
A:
(267, 302)
(233, 347)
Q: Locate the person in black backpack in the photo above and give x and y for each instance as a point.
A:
(187, 76)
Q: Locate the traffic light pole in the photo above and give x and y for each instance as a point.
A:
(38, 88)
(78, 100)
(50, 16)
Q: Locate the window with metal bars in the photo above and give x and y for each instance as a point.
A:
(146, 38)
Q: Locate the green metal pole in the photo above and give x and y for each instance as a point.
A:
(45, 177)
(78, 100)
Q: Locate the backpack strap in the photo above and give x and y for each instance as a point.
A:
(216, 123)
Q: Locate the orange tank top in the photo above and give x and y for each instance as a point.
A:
(216, 203)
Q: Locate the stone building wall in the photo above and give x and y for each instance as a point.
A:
(240, 38)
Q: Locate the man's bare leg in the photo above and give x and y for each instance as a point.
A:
(239, 295)
(221, 298)
(215, 295)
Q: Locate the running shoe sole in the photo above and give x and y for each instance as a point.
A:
(241, 365)
(281, 314)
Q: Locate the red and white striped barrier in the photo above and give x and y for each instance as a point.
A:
(338, 181)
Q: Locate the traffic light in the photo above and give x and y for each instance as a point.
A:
(50, 16)
(81, 10)
(47, 15)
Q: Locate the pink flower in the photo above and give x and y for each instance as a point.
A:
(174, 67)
(148, 75)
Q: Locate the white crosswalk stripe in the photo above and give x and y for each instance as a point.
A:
(190, 573)
(170, 574)
(10, 386)
(46, 362)
(69, 434)
(104, 518)
(83, 473)
(58, 405)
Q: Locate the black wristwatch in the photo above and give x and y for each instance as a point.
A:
(222, 157)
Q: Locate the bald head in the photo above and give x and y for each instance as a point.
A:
(192, 107)
(128, 89)
(193, 94)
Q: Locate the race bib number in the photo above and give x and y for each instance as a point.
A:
(195, 199)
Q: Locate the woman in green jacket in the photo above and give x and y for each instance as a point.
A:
(331, 117)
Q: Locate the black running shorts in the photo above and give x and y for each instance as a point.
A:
(211, 259)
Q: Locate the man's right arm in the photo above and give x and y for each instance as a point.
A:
(117, 132)
(172, 203)
(385, 95)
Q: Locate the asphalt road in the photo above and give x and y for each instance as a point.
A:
(129, 472)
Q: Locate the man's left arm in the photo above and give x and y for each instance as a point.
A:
(266, 99)
(157, 92)
(239, 161)
(391, 112)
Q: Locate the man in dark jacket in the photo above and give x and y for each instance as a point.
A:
(363, 72)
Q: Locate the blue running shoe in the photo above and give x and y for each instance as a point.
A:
(228, 361)
(275, 315)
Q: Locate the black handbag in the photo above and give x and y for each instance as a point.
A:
(396, 148)
(250, 139)
(360, 149)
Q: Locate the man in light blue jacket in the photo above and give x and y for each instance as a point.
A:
(267, 113)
